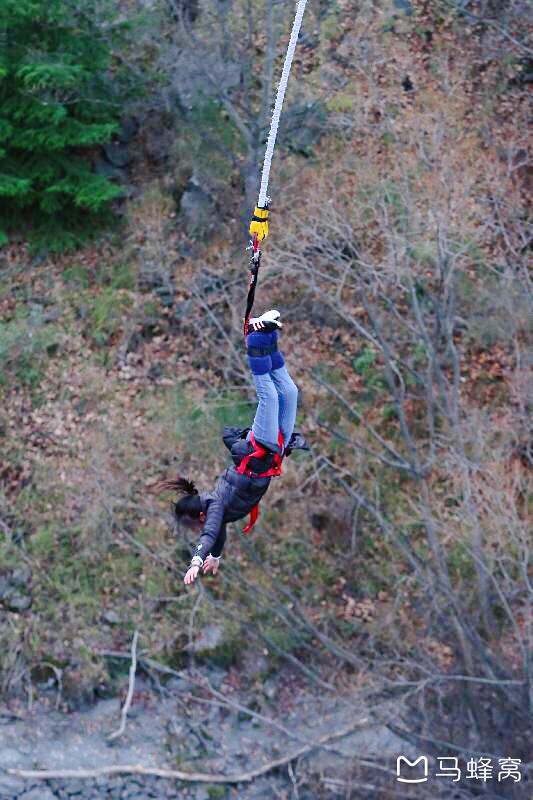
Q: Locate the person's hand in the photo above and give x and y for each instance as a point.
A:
(211, 565)
(190, 577)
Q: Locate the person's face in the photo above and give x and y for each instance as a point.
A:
(193, 523)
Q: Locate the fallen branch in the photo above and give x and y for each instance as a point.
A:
(194, 777)
(131, 687)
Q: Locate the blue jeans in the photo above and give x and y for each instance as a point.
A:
(277, 393)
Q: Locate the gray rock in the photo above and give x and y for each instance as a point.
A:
(178, 684)
(107, 170)
(21, 576)
(9, 757)
(117, 154)
(182, 310)
(304, 128)
(82, 312)
(256, 665)
(15, 600)
(197, 208)
(81, 407)
(155, 371)
(131, 791)
(158, 142)
(269, 689)
(52, 315)
(185, 250)
(134, 342)
(75, 787)
(165, 295)
(9, 784)
(211, 637)
(214, 675)
(39, 793)
(78, 689)
(129, 128)
(405, 6)
(206, 284)
(111, 617)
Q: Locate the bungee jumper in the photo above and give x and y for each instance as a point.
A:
(257, 452)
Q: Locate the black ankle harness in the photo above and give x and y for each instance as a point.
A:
(262, 351)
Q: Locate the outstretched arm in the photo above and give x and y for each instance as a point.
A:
(213, 525)
(209, 539)
(218, 547)
(212, 561)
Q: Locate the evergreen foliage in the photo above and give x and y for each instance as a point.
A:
(58, 99)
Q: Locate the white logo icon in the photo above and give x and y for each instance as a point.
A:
(424, 761)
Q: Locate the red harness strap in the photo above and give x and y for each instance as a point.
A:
(243, 469)
(254, 513)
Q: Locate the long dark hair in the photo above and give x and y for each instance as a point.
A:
(188, 506)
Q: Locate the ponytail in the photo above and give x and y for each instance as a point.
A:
(188, 506)
(179, 485)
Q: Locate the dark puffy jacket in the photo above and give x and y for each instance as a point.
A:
(234, 495)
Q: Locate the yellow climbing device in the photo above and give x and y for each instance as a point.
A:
(259, 223)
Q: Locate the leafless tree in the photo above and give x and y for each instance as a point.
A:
(436, 473)
(220, 67)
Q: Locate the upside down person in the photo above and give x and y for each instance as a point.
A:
(241, 486)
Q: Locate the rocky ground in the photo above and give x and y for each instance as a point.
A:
(160, 733)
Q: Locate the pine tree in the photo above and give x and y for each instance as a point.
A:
(57, 103)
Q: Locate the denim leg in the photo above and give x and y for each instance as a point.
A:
(265, 424)
(288, 396)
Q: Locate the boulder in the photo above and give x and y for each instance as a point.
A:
(39, 793)
(107, 170)
(214, 675)
(21, 576)
(78, 690)
(10, 786)
(117, 154)
(209, 638)
(156, 371)
(197, 208)
(303, 128)
(405, 6)
(52, 316)
(182, 310)
(129, 128)
(15, 593)
(111, 617)
(15, 600)
(270, 689)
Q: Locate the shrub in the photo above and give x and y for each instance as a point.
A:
(106, 314)
(25, 344)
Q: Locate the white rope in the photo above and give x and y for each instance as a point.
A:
(279, 102)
